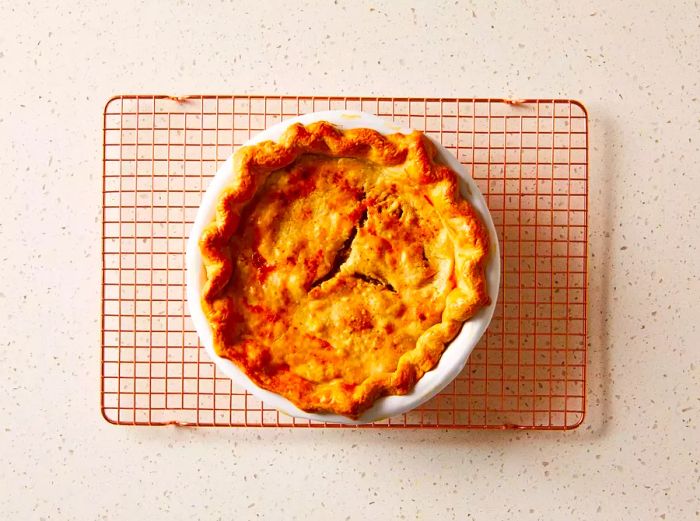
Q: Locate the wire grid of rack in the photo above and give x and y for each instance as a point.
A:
(530, 160)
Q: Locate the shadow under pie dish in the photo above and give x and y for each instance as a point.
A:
(332, 263)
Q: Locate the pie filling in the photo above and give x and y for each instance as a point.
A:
(346, 275)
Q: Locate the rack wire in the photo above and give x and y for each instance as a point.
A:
(528, 157)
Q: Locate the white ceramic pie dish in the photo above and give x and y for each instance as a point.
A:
(456, 353)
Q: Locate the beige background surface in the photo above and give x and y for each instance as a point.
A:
(635, 65)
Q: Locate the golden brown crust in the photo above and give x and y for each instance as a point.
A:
(339, 264)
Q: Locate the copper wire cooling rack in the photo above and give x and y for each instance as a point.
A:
(529, 158)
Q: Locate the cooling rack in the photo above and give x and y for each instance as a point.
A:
(528, 157)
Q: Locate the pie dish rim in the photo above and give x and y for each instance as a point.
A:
(456, 351)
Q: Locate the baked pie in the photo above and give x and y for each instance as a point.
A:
(339, 264)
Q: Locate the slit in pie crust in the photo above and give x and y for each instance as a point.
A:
(339, 264)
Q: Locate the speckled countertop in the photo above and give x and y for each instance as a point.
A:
(636, 68)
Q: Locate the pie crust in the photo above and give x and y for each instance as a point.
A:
(339, 264)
